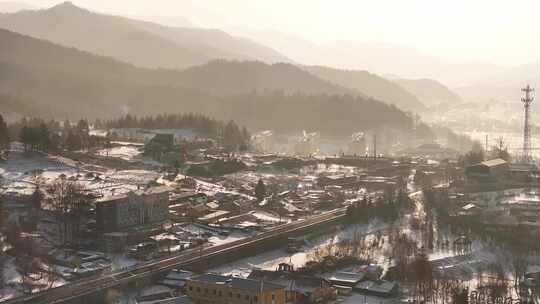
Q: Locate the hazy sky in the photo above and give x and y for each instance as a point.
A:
(502, 32)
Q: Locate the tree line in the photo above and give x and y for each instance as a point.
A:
(36, 134)
(230, 134)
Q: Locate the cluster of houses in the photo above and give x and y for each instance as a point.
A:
(280, 286)
(498, 194)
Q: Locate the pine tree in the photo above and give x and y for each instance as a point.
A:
(43, 136)
(36, 198)
(2, 223)
(73, 141)
(25, 137)
(4, 135)
(260, 190)
(82, 127)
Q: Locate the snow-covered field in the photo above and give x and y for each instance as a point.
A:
(21, 166)
(13, 280)
(21, 171)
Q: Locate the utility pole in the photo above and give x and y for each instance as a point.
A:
(374, 145)
(527, 100)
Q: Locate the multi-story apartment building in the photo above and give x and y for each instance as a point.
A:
(142, 207)
(357, 145)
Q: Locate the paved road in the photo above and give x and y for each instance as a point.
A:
(90, 285)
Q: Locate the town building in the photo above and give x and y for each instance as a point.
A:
(299, 288)
(191, 197)
(159, 145)
(134, 209)
(431, 151)
(307, 145)
(146, 135)
(217, 289)
(378, 288)
(488, 171)
(176, 279)
(263, 141)
(357, 146)
(163, 298)
(524, 173)
(349, 279)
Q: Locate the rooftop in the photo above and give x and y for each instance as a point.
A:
(351, 277)
(377, 286)
(292, 280)
(494, 162)
(237, 283)
(121, 196)
(157, 190)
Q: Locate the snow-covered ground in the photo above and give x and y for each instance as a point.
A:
(121, 262)
(21, 171)
(11, 278)
(21, 166)
(216, 240)
(268, 217)
(127, 152)
(270, 260)
(207, 188)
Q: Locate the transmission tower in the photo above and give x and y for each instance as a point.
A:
(527, 100)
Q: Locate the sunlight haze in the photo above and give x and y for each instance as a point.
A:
(489, 31)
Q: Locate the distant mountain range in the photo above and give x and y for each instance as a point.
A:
(43, 70)
(138, 42)
(45, 79)
(376, 57)
(175, 43)
(12, 6)
(369, 84)
(429, 92)
(232, 77)
(503, 86)
(152, 45)
(169, 21)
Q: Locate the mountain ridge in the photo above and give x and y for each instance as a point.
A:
(429, 91)
(71, 83)
(369, 84)
(138, 42)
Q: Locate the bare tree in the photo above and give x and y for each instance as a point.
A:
(519, 267)
(2, 267)
(66, 197)
(500, 149)
(421, 273)
(67, 202)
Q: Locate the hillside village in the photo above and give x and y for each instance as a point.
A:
(142, 195)
(151, 160)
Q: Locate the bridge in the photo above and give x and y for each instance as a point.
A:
(200, 259)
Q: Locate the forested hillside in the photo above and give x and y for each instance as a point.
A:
(370, 85)
(429, 91)
(67, 82)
